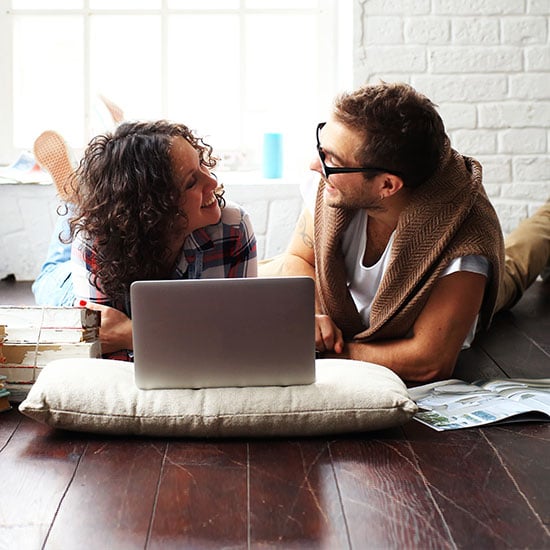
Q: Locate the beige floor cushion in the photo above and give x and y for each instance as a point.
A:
(97, 395)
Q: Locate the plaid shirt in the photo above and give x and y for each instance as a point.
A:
(226, 249)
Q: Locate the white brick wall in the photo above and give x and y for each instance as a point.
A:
(486, 63)
(28, 215)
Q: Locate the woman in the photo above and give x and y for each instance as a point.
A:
(146, 206)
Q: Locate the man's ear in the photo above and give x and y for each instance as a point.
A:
(391, 184)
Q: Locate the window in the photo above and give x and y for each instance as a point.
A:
(230, 69)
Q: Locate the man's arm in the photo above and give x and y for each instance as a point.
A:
(439, 332)
(299, 257)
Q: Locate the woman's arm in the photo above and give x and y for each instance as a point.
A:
(82, 262)
(115, 332)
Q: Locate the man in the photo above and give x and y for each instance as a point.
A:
(405, 247)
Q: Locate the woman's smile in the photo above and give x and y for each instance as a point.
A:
(209, 202)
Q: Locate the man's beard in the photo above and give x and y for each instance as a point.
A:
(371, 204)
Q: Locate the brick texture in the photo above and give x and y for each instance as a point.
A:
(486, 63)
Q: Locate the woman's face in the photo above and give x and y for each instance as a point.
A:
(197, 185)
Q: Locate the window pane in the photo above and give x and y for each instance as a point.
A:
(51, 4)
(203, 4)
(229, 73)
(281, 4)
(125, 4)
(124, 63)
(281, 83)
(203, 76)
(48, 77)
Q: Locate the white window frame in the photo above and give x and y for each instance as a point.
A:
(335, 56)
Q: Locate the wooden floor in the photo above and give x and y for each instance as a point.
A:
(408, 487)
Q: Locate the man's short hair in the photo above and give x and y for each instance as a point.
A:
(402, 130)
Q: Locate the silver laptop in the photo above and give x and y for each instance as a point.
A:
(223, 332)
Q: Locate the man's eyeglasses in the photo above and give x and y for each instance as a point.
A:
(329, 170)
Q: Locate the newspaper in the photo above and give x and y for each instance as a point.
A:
(454, 404)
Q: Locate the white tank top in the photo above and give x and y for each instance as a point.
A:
(363, 281)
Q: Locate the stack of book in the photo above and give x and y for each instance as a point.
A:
(4, 393)
(32, 336)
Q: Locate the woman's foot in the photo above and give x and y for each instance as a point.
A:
(52, 153)
(115, 111)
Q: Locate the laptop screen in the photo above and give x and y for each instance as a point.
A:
(223, 332)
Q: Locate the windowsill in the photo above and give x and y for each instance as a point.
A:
(252, 177)
(229, 177)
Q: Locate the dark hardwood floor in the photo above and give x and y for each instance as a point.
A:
(408, 487)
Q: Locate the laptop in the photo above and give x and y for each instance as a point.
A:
(200, 333)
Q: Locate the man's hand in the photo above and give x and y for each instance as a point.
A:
(328, 337)
(437, 335)
(115, 332)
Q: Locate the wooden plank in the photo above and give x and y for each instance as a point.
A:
(294, 499)
(37, 466)
(524, 451)
(474, 364)
(386, 499)
(111, 500)
(532, 314)
(479, 498)
(203, 498)
(514, 337)
(515, 353)
(16, 293)
(9, 421)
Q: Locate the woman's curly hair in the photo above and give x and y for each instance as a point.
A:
(127, 203)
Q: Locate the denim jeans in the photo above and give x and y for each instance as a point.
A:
(54, 286)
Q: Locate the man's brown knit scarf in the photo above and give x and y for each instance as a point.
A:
(449, 216)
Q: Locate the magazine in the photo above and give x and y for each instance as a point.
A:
(454, 404)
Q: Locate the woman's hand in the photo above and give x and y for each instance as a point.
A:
(115, 332)
(328, 337)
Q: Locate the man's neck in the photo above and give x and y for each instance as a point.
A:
(381, 224)
(387, 215)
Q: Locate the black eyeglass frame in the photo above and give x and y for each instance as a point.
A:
(329, 170)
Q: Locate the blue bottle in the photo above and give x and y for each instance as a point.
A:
(273, 155)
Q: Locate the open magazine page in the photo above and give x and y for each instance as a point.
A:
(454, 404)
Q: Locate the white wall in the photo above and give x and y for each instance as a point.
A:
(486, 63)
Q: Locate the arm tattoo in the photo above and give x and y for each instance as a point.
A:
(302, 230)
